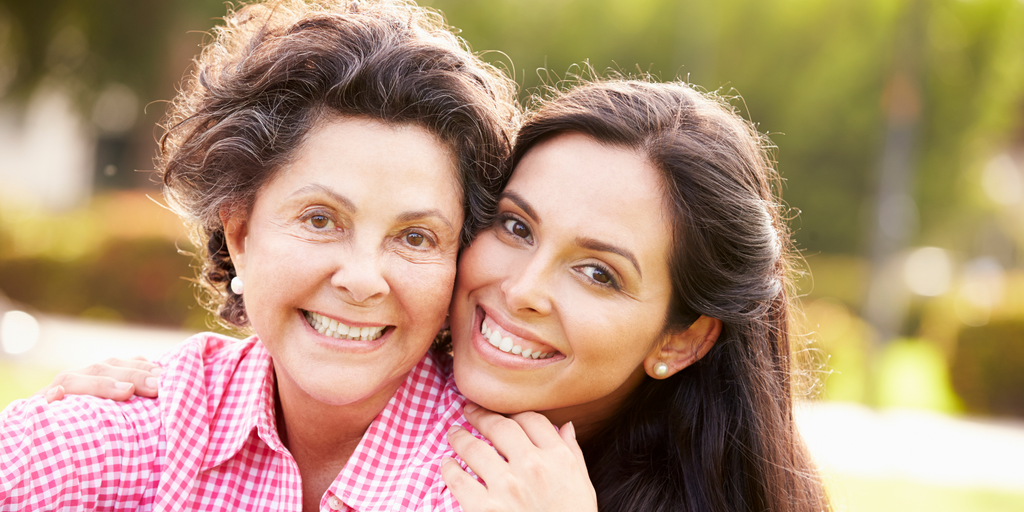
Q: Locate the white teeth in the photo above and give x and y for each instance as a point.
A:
(505, 344)
(335, 329)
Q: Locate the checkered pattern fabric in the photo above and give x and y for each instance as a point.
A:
(210, 443)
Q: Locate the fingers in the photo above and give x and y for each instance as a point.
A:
(94, 385)
(466, 489)
(478, 455)
(539, 429)
(515, 433)
(115, 379)
(568, 435)
(53, 393)
(505, 434)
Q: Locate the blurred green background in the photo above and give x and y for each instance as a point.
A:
(900, 134)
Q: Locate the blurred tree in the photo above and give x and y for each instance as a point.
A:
(812, 73)
(112, 58)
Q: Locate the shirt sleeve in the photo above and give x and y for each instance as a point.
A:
(80, 453)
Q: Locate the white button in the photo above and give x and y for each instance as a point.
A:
(334, 503)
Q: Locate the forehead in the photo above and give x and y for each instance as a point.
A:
(363, 158)
(603, 191)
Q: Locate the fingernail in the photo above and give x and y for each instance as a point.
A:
(453, 429)
(52, 392)
(151, 382)
(123, 385)
(572, 429)
(470, 407)
(157, 371)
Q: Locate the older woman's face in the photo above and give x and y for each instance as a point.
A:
(348, 258)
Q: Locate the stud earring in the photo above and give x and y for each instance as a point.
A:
(237, 286)
(660, 369)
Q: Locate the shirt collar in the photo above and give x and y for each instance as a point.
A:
(396, 441)
(245, 403)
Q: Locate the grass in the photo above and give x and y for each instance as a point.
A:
(19, 381)
(859, 494)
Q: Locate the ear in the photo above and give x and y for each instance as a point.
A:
(681, 349)
(235, 232)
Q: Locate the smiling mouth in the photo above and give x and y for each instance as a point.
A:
(503, 342)
(333, 328)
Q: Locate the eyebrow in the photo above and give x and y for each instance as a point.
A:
(595, 245)
(349, 205)
(584, 242)
(316, 187)
(422, 214)
(521, 203)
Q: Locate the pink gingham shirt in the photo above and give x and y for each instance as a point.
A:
(210, 443)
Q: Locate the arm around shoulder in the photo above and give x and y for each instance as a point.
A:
(81, 453)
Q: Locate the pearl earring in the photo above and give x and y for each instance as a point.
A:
(661, 369)
(237, 286)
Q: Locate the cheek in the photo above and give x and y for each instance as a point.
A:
(424, 290)
(481, 263)
(614, 337)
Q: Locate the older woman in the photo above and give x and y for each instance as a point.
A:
(332, 158)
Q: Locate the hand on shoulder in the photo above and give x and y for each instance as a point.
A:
(532, 466)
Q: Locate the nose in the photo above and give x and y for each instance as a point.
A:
(527, 288)
(360, 277)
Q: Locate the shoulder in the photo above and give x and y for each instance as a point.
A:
(209, 358)
(66, 453)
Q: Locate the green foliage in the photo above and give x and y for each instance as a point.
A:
(912, 374)
(85, 45)
(812, 74)
(987, 368)
(139, 281)
(118, 259)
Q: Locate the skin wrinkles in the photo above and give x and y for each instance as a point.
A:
(440, 239)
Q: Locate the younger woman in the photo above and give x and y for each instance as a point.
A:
(639, 249)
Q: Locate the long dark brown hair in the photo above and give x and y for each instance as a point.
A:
(275, 69)
(718, 435)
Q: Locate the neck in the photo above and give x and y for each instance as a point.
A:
(322, 437)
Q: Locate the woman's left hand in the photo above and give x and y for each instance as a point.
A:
(542, 469)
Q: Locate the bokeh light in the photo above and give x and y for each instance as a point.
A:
(19, 332)
(928, 271)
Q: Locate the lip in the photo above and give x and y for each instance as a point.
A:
(349, 346)
(496, 357)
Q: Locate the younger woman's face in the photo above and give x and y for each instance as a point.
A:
(559, 303)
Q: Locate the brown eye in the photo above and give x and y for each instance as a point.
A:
(599, 276)
(415, 239)
(319, 221)
(517, 228)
